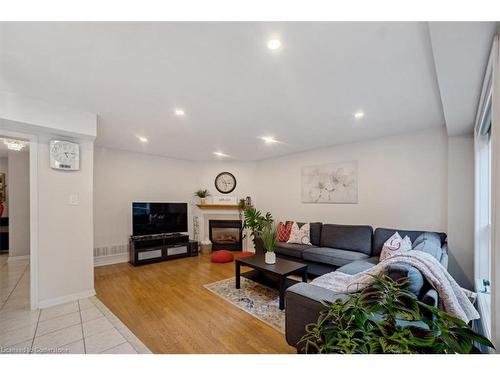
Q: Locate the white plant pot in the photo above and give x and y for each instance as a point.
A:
(270, 257)
(202, 200)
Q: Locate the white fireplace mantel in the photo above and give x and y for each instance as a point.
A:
(204, 216)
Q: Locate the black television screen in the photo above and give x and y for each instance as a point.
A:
(156, 218)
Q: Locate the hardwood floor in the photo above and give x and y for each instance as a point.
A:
(166, 306)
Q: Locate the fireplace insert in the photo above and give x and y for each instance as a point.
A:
(225, 234)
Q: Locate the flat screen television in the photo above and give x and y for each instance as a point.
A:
(156, 218)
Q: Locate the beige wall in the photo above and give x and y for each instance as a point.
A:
(244, 172)
(122, 177)
(461, 209)
(19, 202)
(65, 237)
(402, 183)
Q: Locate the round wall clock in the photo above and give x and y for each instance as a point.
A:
(225, 182)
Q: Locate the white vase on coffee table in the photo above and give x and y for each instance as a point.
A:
(270, 257)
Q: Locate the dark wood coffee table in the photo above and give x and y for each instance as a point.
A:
(272, 275)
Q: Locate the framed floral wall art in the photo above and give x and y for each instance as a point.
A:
(330, 183)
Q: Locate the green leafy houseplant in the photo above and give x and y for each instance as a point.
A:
(369, 322)
(256, 222)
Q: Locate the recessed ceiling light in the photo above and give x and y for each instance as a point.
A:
(269, 139)
(359, 115)
(179, 112)
(273, 44)
(221, 154)
(143, 139)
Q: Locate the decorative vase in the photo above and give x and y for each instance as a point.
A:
(270, 257)
(202, 200)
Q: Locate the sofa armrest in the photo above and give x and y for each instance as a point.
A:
(303, 304)
(430, 297)
(418, 285)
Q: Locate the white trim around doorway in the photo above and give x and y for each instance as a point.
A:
(33, 141)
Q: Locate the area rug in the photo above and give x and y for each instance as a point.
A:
(255, 299)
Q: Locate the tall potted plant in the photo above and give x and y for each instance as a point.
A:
(255, 221)
(269, 243)
(202, 194)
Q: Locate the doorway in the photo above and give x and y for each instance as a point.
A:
(15, 243)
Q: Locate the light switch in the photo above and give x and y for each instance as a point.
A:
(74, 200)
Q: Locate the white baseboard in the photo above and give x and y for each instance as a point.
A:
(111, 259)
(65, 299)
(17, 257)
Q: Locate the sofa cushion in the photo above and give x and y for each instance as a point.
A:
(382, 234)
(291, 249)
(429, 244)
(430, 237)
(315, 232)
(415, 278)
(300, 235)
(356, 238)
(358, 266)
(335, 257)
(283, 231)
(395, 245)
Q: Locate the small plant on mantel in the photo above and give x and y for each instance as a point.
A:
(202, 194)
(242, 204)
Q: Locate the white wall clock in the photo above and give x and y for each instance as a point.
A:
(225, 182)
(64, 155)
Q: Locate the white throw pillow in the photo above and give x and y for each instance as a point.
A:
(406, 245)
(393, 244)
(300, 235)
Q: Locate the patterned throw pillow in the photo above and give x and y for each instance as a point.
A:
(283, 231)
(393, 244)
(300, 235)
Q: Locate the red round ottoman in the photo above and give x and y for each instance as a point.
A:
(246, 254)
(222, 256)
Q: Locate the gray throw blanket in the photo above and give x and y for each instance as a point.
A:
(455, 301)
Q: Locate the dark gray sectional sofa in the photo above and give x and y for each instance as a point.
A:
(332, 246)
(350, 249)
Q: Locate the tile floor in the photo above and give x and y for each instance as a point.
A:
(83, 326)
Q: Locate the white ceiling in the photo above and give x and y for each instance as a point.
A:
(235, 90)
(461, 51)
